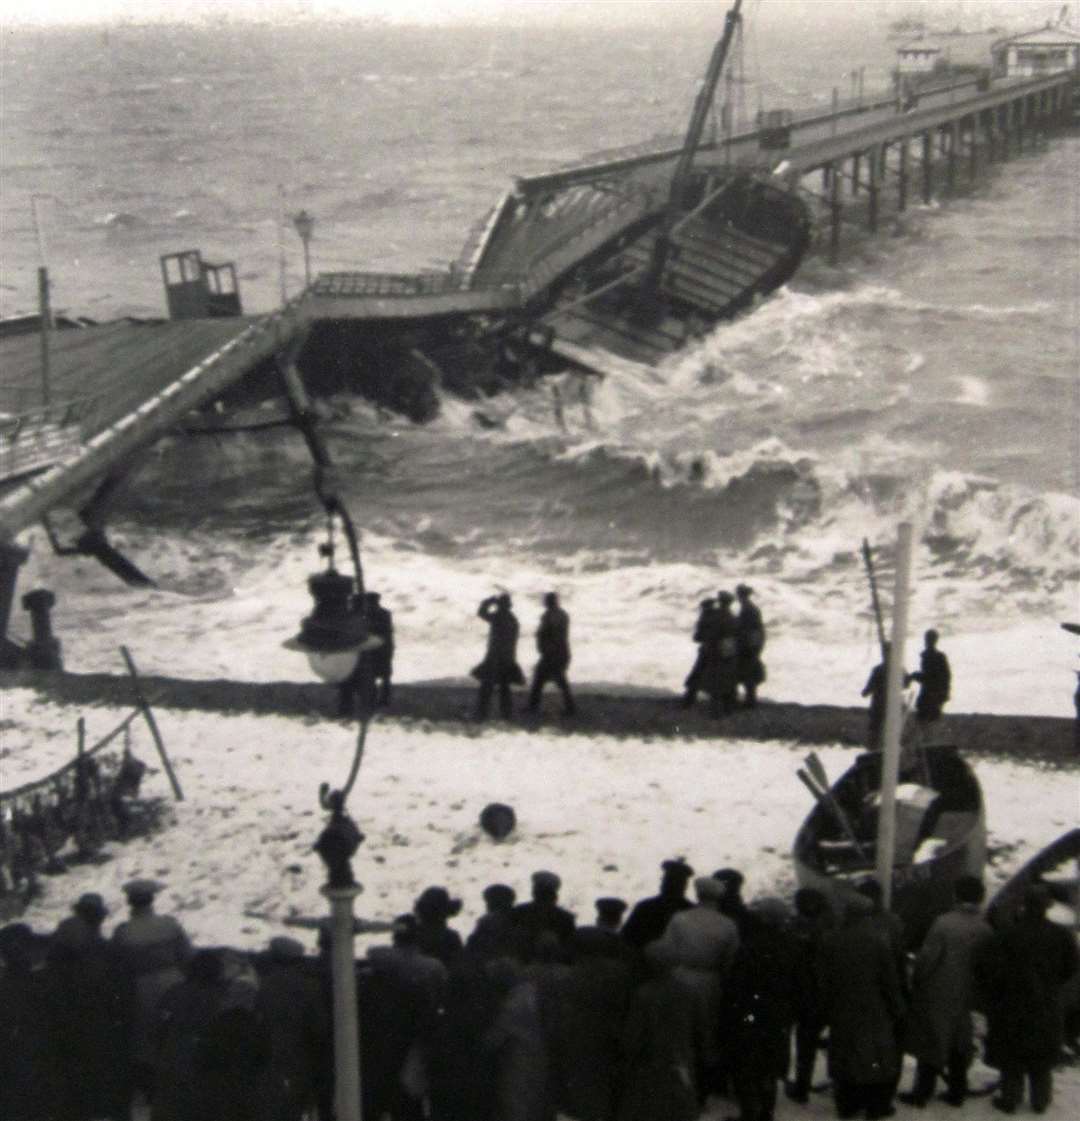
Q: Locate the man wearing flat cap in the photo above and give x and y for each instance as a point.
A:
(749, 643)
(649, 918)
(83, 927)
(492, 936)
(540, 915)
(154, 949)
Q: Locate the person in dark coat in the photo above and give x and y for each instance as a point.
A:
(749, 642)
(723, 688)
(939, 1032)
(935, 680)
(813, 921)
(658, 1047)
(702, 670)
(586, 1013)
(516, 1047)
(1020, 972)
(499, 669)
(93, 1000)
(863, 1006)
(290, 1002)
(29, 1056)
(876, 688)
(381, 623)
(649, 918)
(433, 909)
(759, 1008)
(542, 914)
(553, 644)
(493, 935)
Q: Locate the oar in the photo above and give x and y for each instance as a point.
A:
(818, 781)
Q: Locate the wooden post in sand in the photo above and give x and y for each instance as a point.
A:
(890, 762)
(144, 707)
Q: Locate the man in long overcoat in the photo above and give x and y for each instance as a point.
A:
(499, 669)
(701, 672)
(863, 1008)
(939, 1027)
(935, 680)
(750, 641)
(1020, 972)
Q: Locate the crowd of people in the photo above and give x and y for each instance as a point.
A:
(643, 1013)
(729, 660)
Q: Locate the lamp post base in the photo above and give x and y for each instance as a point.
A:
(346, 1026)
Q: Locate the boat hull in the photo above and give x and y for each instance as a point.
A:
(922, 885)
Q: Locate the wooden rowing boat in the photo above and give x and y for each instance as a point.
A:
(940, 834)
(1057, 867)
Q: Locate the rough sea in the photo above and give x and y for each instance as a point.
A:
(931, 376)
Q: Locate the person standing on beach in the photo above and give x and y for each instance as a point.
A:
(700, 672)
(935, 679)
(553, 643)
(749, 642)
(381, 623)
(500, 666)
(725, 683)
(875, 688)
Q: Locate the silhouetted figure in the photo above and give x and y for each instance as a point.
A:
(875, 688)
(500, 668)
(724, 690)
(701, 671)
(1020, 972)
(940, 1033)
(649, 918)
(434, 936)
(553, 643)
(493, 934)
(813, 921)
(381, 623)
(935, 679)
(542, 914)
(749, 643)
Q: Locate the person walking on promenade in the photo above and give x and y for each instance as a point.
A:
(500, 668)
(749, 643)
(701, 671)
(1020, 972)
(935, 680)
(940, 1033)
(863, 1006)
(649, 918)
(381, 624)
(154, 949)
(553, 643)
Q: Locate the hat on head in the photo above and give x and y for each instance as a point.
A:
(142, 888)
(609, 907)
(744, 590)
(435, 902)
(731, 878)
(546, 880)
(499, 895)
(708, 888)
(90, 903)
(551, 599)
(677, 868)
(285, 949)
(724, 597)
(404, 926)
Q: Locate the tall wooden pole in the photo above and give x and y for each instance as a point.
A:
(890, 762)
(346, 1024)
(45, 314)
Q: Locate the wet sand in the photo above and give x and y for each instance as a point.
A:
(602, 710)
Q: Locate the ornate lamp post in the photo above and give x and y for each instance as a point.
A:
(334, 636)
(305, 226)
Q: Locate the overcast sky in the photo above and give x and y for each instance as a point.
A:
(100, 11)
